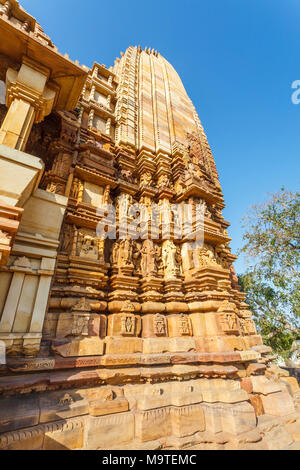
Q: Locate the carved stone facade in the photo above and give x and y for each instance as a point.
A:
(161, 317)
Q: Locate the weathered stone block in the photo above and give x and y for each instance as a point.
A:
(278, 404)
(74, 324)
(30, 439)
(187, 420)
(238, 418)
(105, 407)
(153, 424)
(212, 413)
(61, 405)
(79, 347)
(119, 345)
(64, 435)
(106, 431)
(294, 430)
(18, 412)
(262, 385)
(256, 402)
(291, 383)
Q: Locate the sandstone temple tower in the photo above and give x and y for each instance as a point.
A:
(132, 341)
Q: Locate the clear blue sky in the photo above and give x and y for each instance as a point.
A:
(237, 60)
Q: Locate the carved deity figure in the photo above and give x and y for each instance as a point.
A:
(148, 266)
(125, 256)
(169, 252)
(229, 322)
(146, 179)
(115, 254)
(206, 256)
(163, 181)
(67, 239)
(158, 259)
(250, 326)
(185, 328)
(234, 279)
(124, 202)
(56, 188)
(160, 325)
(136, 257)
(88, 246)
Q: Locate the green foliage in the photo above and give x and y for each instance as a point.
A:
(272, 280)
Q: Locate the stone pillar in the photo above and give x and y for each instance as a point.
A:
(93, 91)
(28, 100)
(108, 126)
(25, 282)
(91, 118)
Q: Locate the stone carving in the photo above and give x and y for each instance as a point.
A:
(88, 245)
(126, 175)
(56, 188)
(128, 307)
(148, 265)
(158, 260)
(4, 236)
(67, 238)
(75, 188)
(122, 254)
(6, 8)
(82, 306)
(160, 325)
(115, 254)
(66, 400)
(229, 322)
(196, 152)
(184, 325)
(169, 253)
(62, 165)
(163, 181)
(234, 279)
(22, 262)
(123, 204)
(126, 251)
(250, 326)
(137, 247)
(146, 179)
(106, 195)
(128, 325)
(80, 325)
(206, 256)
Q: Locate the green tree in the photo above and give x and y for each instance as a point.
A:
(272, 280)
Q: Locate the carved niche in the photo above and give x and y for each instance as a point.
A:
(184, 325)
(160, 325)
(89, 246)
(128, 324)
(229, 322)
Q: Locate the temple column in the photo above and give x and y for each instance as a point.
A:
(28, 99)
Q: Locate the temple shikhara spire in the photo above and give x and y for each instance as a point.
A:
(121, 317)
